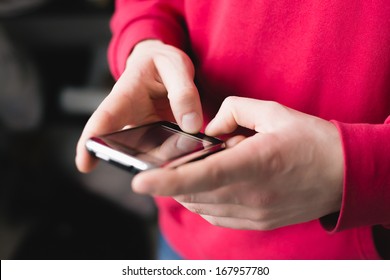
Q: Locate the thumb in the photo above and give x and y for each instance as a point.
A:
(257, 115)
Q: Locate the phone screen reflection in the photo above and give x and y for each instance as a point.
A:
(157, 141)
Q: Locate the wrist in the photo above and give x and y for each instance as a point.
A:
(335, 167)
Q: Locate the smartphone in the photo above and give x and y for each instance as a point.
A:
(157, 145)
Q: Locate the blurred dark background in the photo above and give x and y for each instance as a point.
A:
(53, 74)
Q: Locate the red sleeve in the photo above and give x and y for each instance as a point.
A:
(137, 20)
(366, 196)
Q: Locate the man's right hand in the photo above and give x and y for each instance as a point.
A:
(156, 84)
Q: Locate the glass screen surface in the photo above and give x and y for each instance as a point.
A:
(157, 141)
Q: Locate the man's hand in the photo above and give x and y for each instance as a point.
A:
(290, 171)
(157, 84)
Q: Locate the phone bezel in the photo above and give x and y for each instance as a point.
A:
(122, 157)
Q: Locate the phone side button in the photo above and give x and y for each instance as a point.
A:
(102, 156)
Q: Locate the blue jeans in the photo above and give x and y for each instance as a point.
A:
(165, 251)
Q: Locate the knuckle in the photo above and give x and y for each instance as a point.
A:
(197, 209)
(174, 56)
(264, 225)
(186, 198)
(212, 220)
(274, 106)
(260, 216)
(267, 227)
(229, 101)
(278, 111)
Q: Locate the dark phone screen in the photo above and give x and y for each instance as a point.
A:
(157, 141)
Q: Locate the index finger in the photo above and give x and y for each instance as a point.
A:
(177, 74)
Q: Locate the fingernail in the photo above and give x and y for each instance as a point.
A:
(191, 122)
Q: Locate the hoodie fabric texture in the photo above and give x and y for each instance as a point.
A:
(330, 59)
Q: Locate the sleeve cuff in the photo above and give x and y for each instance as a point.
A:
(366, 190)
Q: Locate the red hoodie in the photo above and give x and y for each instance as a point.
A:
(326, 58)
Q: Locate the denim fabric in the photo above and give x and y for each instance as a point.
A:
(165, 251)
